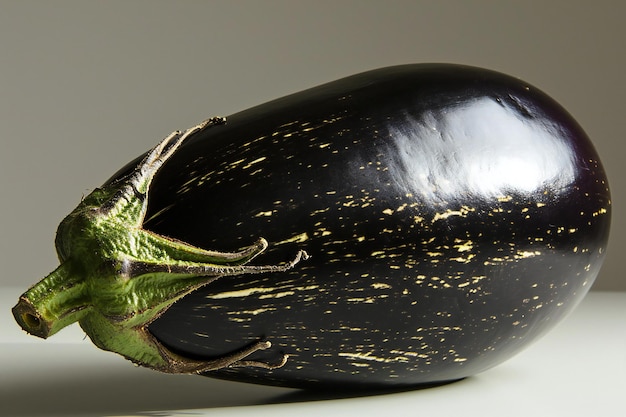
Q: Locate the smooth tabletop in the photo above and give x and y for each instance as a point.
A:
(575, 370)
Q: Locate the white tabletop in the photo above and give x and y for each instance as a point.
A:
(578, 369)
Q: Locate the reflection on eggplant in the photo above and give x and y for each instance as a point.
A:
(480, 148)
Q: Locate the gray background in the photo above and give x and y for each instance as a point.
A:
(86, 86)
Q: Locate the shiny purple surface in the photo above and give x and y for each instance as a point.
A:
(452, 215)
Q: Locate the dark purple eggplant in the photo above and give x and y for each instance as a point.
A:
(413, 225)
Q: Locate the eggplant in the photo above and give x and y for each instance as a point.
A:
(409, 225)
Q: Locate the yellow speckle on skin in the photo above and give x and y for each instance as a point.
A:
(368, 356)
(239, 319)
(277, 295)
(388, 211)
(526, 254)
(462, 213)
(360, 365)
(254, 162)
(264, 213)
(313, 213)
(253, 141)
(234, 164)
(289, 123)
(380, 286)
(463, 260)
(252, 312)
(478, 278)
(240, 293)
(599, 212)
(302, 237)
(462, 246)
(364, 300)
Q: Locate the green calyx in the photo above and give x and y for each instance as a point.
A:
(116, 278)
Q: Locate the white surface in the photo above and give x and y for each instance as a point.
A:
(576, 370)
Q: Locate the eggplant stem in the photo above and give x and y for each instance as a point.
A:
(135, 186)
(116, 278)
(182, 270)
(177, 364)
(259, 364)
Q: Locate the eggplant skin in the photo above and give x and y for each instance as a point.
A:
(452, 214)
